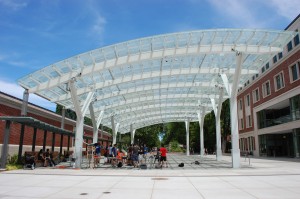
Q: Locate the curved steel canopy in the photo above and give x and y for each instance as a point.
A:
(156, 79)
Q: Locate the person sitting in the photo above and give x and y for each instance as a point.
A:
(41, 157)
(29, 159)
(49, 158)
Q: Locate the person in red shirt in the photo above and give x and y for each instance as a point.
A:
(163, 156)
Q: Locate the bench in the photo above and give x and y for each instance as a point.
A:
(40, 163)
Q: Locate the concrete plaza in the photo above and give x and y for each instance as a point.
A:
(262, 178)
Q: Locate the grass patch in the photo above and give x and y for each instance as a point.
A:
(10, 167)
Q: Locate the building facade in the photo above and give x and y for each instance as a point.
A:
(11, 106)
(269, 104)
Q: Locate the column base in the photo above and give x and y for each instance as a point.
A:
(219, 155)
(235, 154)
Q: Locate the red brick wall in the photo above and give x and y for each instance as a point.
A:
(285, 67)
(15, 129)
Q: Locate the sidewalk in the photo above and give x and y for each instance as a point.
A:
(263, 178)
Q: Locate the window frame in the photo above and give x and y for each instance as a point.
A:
(264, 89)
(297, 64)
(255, 97)
(274, 59)
(247, 100)
(281, 80)
(241, 104)
(296, 39)
(241, 124)
(280, 55)
(289, 46)
(248, 121)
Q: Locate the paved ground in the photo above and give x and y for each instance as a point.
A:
(263, 178)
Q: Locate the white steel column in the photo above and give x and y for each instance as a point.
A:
(96, 123)
(115, 129)
(25, 103)
(217, 111)
(116, 132)
(187, 129)
(201, 116)
(80, 113)
(132, 132)
(232, 92)
(63, 115)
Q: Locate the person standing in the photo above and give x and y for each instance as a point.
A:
(163, 156)
(135, 155)
(145, 152)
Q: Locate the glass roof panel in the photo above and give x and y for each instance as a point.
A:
(180, 68)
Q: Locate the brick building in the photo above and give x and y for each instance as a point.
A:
(11, 106)
(269, 104)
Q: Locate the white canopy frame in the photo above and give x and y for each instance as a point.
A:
(158, 73)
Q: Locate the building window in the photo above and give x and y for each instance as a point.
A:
(255, 95)
(266, 89)
(262, 69)
(248, 100)
(267, 65)
(279, 82)
(280, 55)
(241, 104)
(296, 40)
(274, 59)
(294, 72)
(241, 123)
(289, 46)
(249, 121)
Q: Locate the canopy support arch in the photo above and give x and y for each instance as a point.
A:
(187, 129)
(232, 92)
(80, 113)
(201, 116)
(217, 111)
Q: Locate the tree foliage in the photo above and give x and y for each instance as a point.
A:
(175, 132)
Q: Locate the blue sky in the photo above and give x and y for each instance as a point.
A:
(37, 33)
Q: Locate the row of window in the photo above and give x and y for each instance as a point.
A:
(248, 122)
(294, 73)
(247, 144)
(277, 57)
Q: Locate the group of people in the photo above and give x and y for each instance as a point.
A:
(134, 152)
(135, 155)
(46, 158)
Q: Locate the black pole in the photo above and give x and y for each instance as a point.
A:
(33, 139)
(21, 143)
(4, 151)
(61, 143)
(87, 141)
(69, 139)
(53, 141)
(45, 140)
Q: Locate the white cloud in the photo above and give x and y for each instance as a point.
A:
(13, 4)
(99, 24)
(240, 13)
(17, 91)
(287, 8)
(98, 20)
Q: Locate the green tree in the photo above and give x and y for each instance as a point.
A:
(148, 135)
(225, 125)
